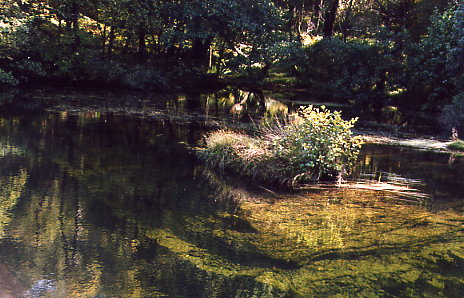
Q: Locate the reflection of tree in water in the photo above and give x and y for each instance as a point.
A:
(114, 208)
(352, 238)
(256, 103)
(97, 192)
(435, 176)
(12, 187)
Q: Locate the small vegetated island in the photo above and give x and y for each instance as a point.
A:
(315, 144)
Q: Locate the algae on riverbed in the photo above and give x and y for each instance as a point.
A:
(113, 205)
(324, 243)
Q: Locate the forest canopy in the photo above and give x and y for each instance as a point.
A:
(370, 54)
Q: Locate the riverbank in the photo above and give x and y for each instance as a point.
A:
(212, 110)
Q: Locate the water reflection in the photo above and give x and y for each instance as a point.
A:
(351, 241)
(12, 189)
(90, 199)
(431, 174)
(221, 108)
(98, 204)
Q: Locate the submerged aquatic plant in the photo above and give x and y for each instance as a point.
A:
(316, 144)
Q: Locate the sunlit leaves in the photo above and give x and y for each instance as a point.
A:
(319, 143)
(435, 65)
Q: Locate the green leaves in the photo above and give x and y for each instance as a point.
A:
(7, 79)
(319, 143)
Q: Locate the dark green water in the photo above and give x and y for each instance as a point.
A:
(102, 202)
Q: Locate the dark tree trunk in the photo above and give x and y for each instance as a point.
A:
(142, 47)
(317, 14)
(155, 44)
(200, 46)
(291, 20)
(68, 22)
(220, 57)
(128, 43)
(103, 44)
(159, 44)
(380, 96)
(75, 15)
(200, 52)
(75, 26)
(60, 26)
(330, 16)
(345, 26)
(111, 42)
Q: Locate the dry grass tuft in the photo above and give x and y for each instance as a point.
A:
(241, 154)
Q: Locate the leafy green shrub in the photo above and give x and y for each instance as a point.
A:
(429, 78)
(458, 145)
(7, 79)
(317, 144)
(144, 78)
(354, 71)
(28, 69)
(88, 67)
(453, 113)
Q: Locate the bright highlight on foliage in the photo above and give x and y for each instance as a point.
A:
(317, 144)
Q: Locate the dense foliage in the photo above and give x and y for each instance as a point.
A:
(374, 55)
(317, 144)
(394, 67)
(87, 41)
(353, 72)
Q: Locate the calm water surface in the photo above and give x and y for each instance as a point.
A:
(105, 203)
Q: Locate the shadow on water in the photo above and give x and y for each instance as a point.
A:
(103, 202)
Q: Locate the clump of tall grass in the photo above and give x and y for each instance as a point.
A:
(316, 144)
(244, 155)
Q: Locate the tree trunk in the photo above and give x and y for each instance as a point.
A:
(200, 51)
(380, 96)
(220, 57)
(142, 47)
(200, 46)
(291, 10)
(111, 42)
(75, 15)
(346, 20)
(103, 43)
(60, 26)
(317, 14)
(159, 44)
(125, 50)
(330, 16)
(75, 26)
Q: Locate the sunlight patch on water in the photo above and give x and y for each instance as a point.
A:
(7, 149)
